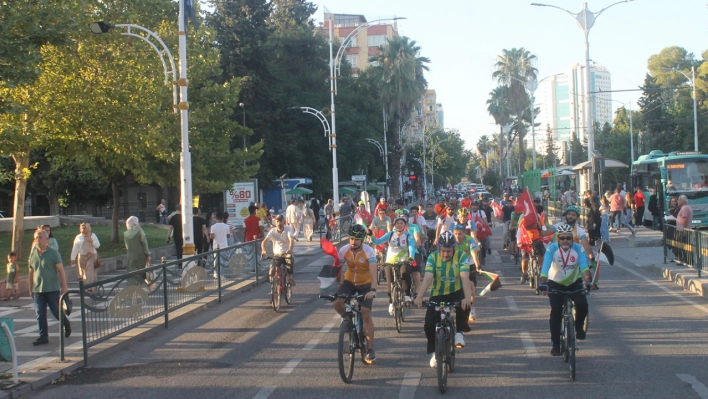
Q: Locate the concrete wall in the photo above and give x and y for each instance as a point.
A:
(107, 265)
(31, 222)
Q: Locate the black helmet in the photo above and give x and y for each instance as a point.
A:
(446, 240)
(357, 232)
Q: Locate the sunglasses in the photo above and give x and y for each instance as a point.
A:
(565, 238)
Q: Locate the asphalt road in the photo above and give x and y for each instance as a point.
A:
(646, 339)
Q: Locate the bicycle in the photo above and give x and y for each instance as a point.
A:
(351, 335)
(534, 270)
(380, 267)
(279, 286)
(445, 330)
(397, 295)
(568, 342)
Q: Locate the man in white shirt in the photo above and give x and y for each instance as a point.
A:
(219, 234)
(291, 214)
(282, 238)
(445, 223)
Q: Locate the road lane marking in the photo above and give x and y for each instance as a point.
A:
(511, 303)
(697, 386)
(311, 345)
(409, 385)
(499, 273)
(290, 366)
(677, 295)
(264, 393)
(528, 344)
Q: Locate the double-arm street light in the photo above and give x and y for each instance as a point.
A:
(334, 67)
(585, 20)
(188, 248)
(531, 85)
(692, 81)
(384, 155)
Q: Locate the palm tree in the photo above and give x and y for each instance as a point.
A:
(483, 145)
(498, 108)
(399, 70)
(513, 68)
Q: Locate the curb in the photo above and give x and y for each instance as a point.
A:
(681, 275)
(45, 374)
(634, 242)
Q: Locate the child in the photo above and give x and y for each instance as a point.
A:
(13, 277)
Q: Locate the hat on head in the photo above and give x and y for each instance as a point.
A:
(362, 203)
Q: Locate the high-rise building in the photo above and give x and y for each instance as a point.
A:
(363, 45)
(562, 98)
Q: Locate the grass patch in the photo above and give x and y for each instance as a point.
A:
(65, 237)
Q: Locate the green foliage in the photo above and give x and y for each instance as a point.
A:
(551, 158)
(658, 126)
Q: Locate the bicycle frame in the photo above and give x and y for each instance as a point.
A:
(567, 337)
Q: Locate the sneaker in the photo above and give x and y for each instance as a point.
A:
(67, 330)
(291, 281)
(505, 247)
(634, 234)
(473, 315)
(580, 334)
(433, 362)
(459, 340)
(524, 278)
(370, 356)
(406, 299)
(556, 350)
(489, 251)
(40, 341)
(390, 309)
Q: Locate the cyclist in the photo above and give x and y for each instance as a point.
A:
(447, 271)
(401, 249)
(282, 237)
(431, 222)
(416, 227)
(360, 261)
(579, 236)
(526, 240)
(466, 201)
(477, 215)
(564, 268)
(463, 218)
(445, 223)
(361, 215)
(468, 244)
(507, 210)
(440, 208)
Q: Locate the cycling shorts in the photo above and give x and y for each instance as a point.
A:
(348, 288)
(537, 245)
(473, 275)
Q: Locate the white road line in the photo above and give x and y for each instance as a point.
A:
(677, 295)
(7, 312)
(528, 344)
(37, 362)
(499, 272)
(32, 353)
(410, 383)
(290, 366)
(697, 386)
(511, 303)
(311, 345)
(264, 393)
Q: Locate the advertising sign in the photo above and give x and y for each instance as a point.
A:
(238, 199)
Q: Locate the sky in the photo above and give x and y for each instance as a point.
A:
(463, 37)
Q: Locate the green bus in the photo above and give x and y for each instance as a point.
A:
(674, 174)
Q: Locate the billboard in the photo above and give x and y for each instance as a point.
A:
(237, 200)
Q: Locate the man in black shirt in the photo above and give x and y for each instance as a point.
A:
(506, 218)
(175, 222)
(200, 230)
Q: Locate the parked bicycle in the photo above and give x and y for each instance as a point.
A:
(351, 335)
(567, 338)
(445, 330)
(279, 286)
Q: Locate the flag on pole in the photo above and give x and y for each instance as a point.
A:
(494, 282)
(329, 273)
(497, 210)
(526, 208)
(190, 13)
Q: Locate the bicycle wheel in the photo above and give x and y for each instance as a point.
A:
(397, 308)
(571, 348)
(441, 344)
(275, 293)
(363, 347)
(564, 338)
(532, 272)
(288, 293)
(346, 351)
(451, 351)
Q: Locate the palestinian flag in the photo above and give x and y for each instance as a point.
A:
(329, 273)
(604, 255)
(494, 282)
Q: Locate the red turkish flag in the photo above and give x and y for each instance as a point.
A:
(497, 210)
(526, 208)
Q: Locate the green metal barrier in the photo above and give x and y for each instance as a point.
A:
(689, 247)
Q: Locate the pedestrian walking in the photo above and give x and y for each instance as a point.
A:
(308, 220)
(137, 247)
(47, 282)
(12, 281)
(83, 253)
(219, 234)
(161, 209)
(639, 203)
(175, 231)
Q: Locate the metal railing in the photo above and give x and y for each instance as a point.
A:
(336, 229)
(689, 247)
(114, 305)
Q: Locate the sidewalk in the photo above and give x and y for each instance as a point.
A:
(40, 365)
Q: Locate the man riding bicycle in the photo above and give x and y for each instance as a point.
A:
(507, 210)
(579, 237)
(447, 271)
(526, 241)
(468, 244)
(446, 222)
(282, 238)
(401, 249)
(360, 261)
(564, 268)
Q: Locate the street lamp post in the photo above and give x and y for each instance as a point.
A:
(334, 66)
(507, 129)
(585, 20)
(383, 153)
(185, 161)
(692, 81)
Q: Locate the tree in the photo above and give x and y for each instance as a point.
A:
(658, 128)
(498, 108)
(551, 157)
(673, 57)
(577, 149)
(483, 146)
(513, 68)
(399, 71)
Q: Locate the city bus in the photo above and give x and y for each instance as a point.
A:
(674, 174)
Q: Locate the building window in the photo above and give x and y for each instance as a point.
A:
(352, 58)
(376, 40)
(352, 42)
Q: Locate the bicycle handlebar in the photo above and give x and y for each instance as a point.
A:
(561, 292)
(334, 297)
(433, 303)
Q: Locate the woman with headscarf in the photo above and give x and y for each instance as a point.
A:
(137, 246)
(84, 253)
(308, 220)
